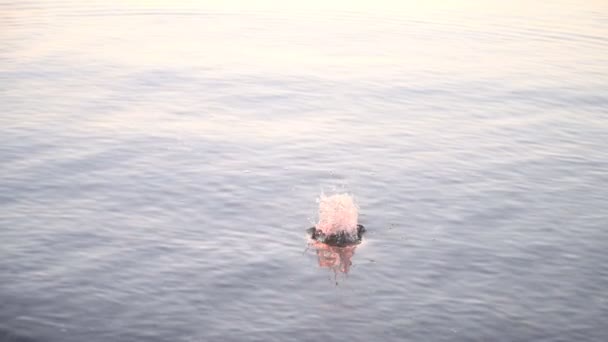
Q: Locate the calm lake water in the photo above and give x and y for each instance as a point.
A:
(160, 162)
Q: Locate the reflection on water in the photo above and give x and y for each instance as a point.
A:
(337, 259)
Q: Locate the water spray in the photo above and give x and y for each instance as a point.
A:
(338, 221)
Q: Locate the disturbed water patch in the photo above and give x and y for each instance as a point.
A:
(339, 239)
(338, 221)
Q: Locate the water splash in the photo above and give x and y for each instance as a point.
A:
(338, 214)
(337, 233)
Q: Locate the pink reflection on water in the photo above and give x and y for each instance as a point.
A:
(338, 259)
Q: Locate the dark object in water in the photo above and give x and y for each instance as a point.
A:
(340, 239)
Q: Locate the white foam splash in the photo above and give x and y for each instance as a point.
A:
(338, 213)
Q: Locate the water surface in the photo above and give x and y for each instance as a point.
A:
(160, 162)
